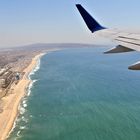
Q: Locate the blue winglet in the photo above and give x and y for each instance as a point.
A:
(91, 23)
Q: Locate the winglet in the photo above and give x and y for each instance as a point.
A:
(91, 23)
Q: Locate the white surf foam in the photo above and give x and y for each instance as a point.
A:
(22, 127)
(18, 133)
(22, 110)
(30, 87)
(24, 119)
(24, 103)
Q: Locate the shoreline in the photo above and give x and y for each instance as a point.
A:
(12, 102)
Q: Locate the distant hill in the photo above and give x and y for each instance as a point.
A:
(57, 45)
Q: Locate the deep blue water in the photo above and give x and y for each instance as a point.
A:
(82, 94)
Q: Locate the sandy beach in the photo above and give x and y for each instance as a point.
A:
(11, 102)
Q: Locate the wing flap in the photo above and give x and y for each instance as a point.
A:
(135, 66)
(119, 49)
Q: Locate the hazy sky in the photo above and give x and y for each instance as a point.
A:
(58, 21)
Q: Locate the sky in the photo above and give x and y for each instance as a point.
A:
(58, 21)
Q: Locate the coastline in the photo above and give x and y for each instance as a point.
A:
(11, 102)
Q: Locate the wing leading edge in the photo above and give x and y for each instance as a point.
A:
(127, 41)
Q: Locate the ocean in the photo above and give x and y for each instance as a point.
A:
(81, 94)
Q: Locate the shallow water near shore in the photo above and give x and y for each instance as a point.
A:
(81, 94)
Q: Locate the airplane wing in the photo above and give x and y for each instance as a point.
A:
(126, 41)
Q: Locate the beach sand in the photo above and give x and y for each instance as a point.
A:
(12, 101)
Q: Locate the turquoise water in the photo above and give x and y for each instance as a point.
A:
(81, 94)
